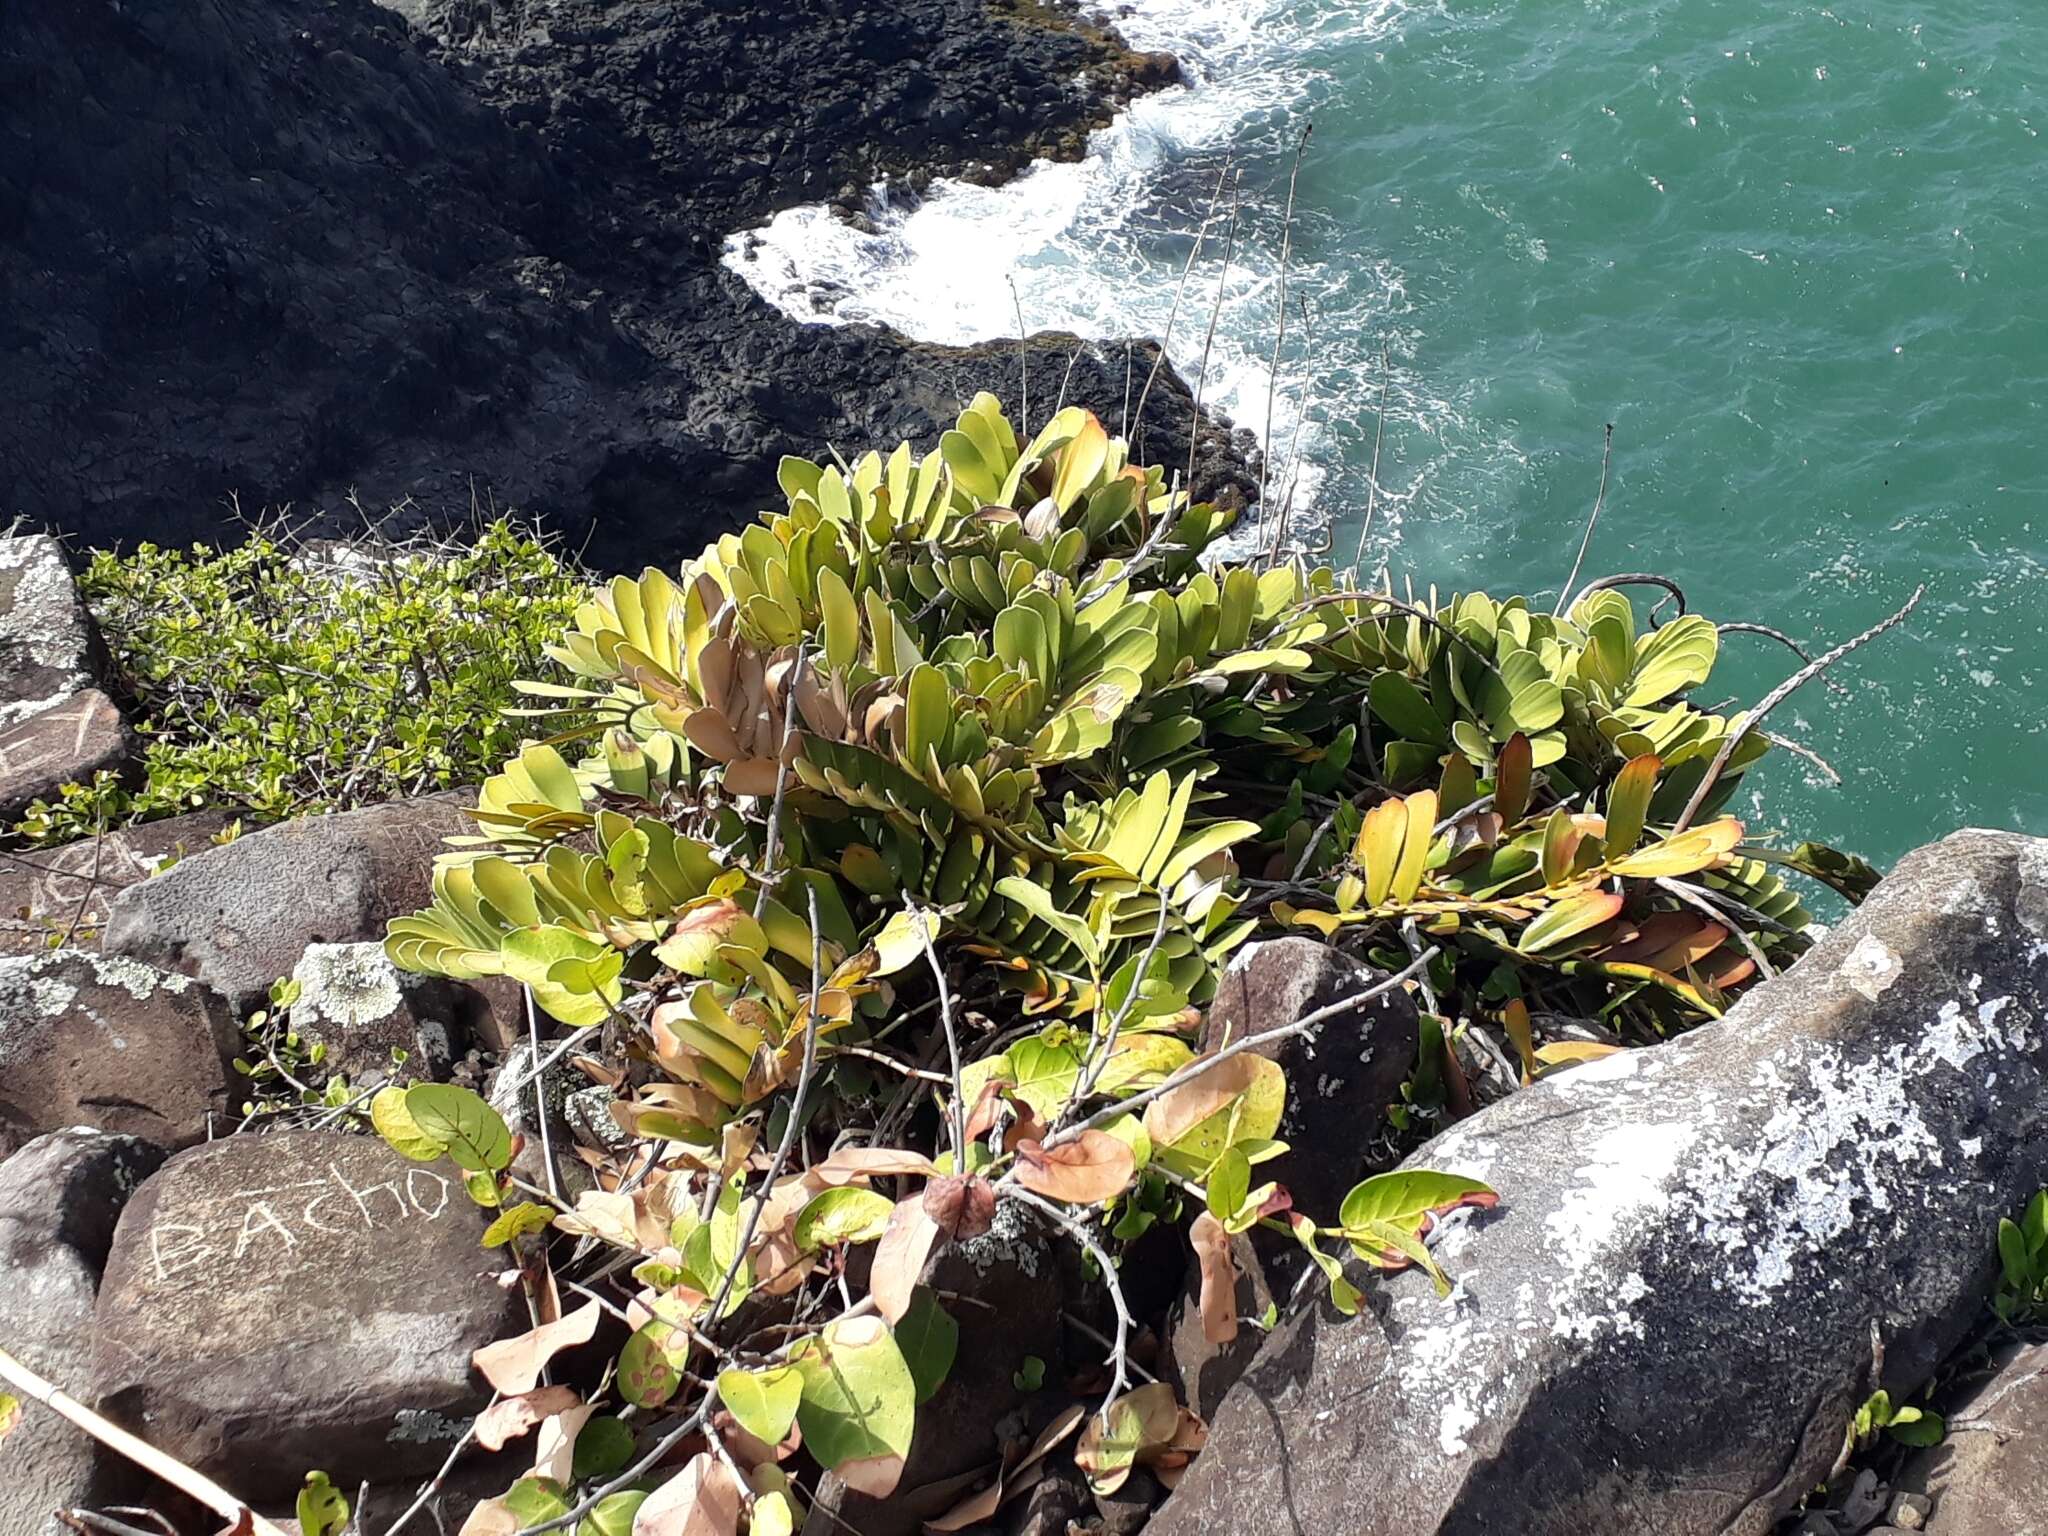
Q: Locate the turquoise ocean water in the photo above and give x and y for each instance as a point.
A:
(1796, 254)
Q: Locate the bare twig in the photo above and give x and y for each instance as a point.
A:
(957, 1121)
(1173, 314)
(1565, 591)
(1629, 579)
(540, 1100)
(1023, 364)
(1372, 479)
(433, 1485)
(1119, 1350)
(1692, 898)
(1777, 696)
(146, 1456)
(782, 757)
(1201, 1064)
(1105, 1048)
(1280, 311)
(1208, 341)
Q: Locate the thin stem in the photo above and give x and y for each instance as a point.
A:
(1777, 696)
(1119, 1351)
(433, 1484)
(1372, 479)
(958, 1118)
(1280, 310)
(1564, 592)
(1201, 1064)
(1208, 341)
(1180, 289)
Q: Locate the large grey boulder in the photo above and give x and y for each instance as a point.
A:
(49, 649)
(239, 917)
(67, 743)
(59, 1198)
(1705, 1256)
(105, 1041)
(302, 1299)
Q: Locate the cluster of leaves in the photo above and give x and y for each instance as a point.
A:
(894, 850)
(2021, 1296)
(276, 679)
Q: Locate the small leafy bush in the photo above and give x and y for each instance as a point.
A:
(895, 848)
(274, 679)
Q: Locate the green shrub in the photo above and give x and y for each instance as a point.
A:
(276, 679)
(916, 824)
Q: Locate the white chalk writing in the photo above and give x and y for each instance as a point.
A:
(283, 1217)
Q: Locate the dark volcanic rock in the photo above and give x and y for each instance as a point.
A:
(1668, 1322)
(104, 1041)
(1341, 1074)
(1014, 1285)
(239, 916)
(59, 1199)
(362, 1009)
(67, 743)
(351, 257)
(301, 1299)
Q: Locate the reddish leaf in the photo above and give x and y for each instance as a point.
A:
(1219, 1279)
(900, 1257)
(875, 1476)
(1179, 1110)
(1095, 1166)
(962, 1205)
(704, 1499)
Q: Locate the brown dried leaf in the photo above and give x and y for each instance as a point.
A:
(554, 1448)
(704, 1499)
(975, 1508)
(963, 1205)
(900, 1257)
(1179, 1110)
(1095, 1166)
(493, 1517)
(1219, 1279)
(510, 1417)
(851, 1163)
(875, 1476)
(513, 1366)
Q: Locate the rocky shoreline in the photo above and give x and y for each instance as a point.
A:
(314, 251)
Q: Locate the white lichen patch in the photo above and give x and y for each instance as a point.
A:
(420, 1426)
(1620, 1188)
(1871, 967)
(347, 984)
(139, 981)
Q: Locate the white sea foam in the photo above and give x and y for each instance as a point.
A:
(1097, 247)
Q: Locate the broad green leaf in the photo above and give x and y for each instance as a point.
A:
(650, 1366)
(613, 1515)
(928, 1337)
(2013, 1256)
(846, 1214)
(516, 1221)
(1686, 854)
(1628, 803)
(859, 1398)
(536, 1500)
(1405, 1195)
(1917, 1426)
(474, 1133)
(1229, 1182)
(321, 1508)
(764, 1402)
(1400, 703)
(603, 1446)
(394, 1122)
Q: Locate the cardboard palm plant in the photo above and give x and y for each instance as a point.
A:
(887, 854)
